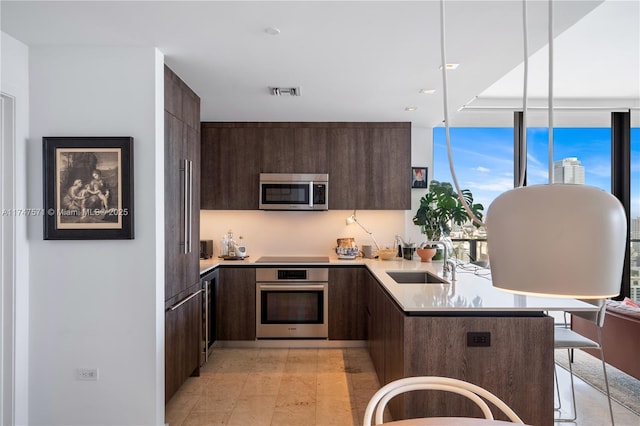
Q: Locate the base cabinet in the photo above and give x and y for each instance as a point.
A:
(236, 304)
(517, 365)
(347, 314)
(183, 324)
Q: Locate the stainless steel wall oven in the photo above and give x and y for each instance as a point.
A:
(292, 303)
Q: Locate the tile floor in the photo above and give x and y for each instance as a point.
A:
(280, 387)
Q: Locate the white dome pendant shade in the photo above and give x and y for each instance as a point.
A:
(558, 240)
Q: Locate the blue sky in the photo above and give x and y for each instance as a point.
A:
(483, 158)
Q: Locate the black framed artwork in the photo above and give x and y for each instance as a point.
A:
(419, 177)
(88, 188)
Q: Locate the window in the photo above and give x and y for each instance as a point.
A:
(484, 159)
(634, 220)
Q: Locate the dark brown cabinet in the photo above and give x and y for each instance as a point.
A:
(347, 315)
(293, 149)
(368, 163)
(230, 167)
(384, 328)
(182, 354)
(236, 304)
(511, 367)
(183, 319)
(369, 166)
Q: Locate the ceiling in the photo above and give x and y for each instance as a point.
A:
(361, 60)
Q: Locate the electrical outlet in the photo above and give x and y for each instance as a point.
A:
(87, 374)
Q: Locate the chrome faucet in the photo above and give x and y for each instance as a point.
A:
(446, 263)
(400, 240)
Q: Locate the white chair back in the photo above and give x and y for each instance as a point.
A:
(475, 393)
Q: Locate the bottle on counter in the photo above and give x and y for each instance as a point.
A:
(224, 246)
(241, 248)
(231, 244)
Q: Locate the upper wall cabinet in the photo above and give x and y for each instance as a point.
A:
(230, 167)
(368, 163)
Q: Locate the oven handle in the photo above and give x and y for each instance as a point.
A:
(292, 287)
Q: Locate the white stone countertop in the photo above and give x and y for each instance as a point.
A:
(471, 292)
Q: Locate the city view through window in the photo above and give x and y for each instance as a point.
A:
(483, 160)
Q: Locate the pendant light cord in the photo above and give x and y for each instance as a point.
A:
(550, 155)
(523, 156)
(443, 57)
(525, 39)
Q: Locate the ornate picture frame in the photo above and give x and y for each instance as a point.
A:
(88, 188)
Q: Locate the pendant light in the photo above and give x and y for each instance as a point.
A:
(562, 240)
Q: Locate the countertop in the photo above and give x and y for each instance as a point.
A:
(470, 292)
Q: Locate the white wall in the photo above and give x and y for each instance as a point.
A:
(14, 81)
(315, 233)
(97, 303)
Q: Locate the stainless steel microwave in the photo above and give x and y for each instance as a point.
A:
(294, 191)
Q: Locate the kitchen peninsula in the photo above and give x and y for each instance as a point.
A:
(465, 329)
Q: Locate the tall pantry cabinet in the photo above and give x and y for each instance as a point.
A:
(183, 301)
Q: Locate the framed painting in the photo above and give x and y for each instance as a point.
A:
(88, 188)
(419, 177)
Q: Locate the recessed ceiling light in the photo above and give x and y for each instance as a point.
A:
(428, 91)
(411, 108)
(451, 66)
(272, 31)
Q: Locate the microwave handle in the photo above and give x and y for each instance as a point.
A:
(311, 194)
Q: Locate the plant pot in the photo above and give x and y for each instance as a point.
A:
(439, 254)
(407, 252)
(426, 254)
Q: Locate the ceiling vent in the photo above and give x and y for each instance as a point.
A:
(279, 91)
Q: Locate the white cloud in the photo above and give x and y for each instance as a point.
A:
(482, 169)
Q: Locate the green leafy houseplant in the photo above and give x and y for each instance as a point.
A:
(440, 208)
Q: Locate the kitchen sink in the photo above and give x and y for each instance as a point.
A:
(416, 277)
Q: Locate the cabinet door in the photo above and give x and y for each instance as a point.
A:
(369, 166)
(278, 150)
(347, 303)
(236, 304)
(175, 265)
(348, 183)
(230, 167)
(311, 150)
(389, 163)
(376, 327)
(182, 189)
(183, 326)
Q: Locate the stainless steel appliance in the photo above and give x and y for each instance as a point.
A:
(292, 303)
(206, 249)
(209, 282)
(291, 191)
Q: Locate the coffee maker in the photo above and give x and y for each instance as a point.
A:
(206, 249)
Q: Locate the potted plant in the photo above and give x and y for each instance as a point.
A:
(440, 208)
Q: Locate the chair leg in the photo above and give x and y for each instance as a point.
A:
(555, 377)
(573, 395)
(604, 370)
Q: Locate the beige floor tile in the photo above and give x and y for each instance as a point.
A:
(262, 384)
(253, 410)
(295, 414)
(273, 354)
(335, 411)
(207, 418)
(332, 385)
